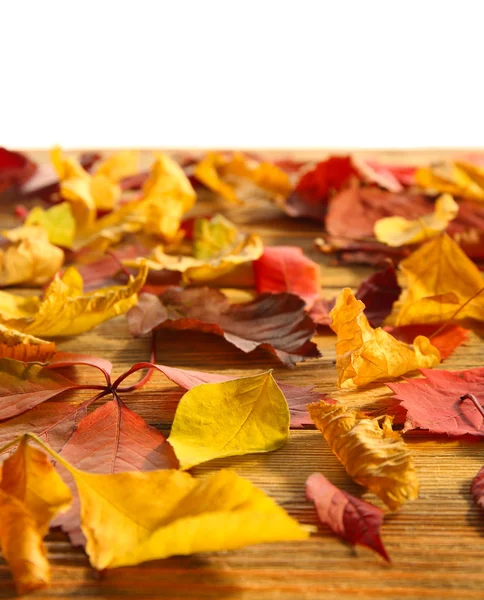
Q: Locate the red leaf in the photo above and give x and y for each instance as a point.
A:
(297, 397)
(70, 359)
(434, 402)
(319, 313)
(112, 439)
(378, 292)
(450, 338)
(276, 322)
(15, 168)
(355, 520)
(53, 421)
(390, 177)
(24, 385)
(313, 190)
(286, 269)
(477, 488)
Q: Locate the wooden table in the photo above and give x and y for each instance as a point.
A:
(436, 542)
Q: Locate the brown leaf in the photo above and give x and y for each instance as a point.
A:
(275, 322)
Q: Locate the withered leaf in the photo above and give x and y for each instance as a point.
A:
(276, 322)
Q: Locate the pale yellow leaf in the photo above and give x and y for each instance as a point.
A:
(58, 221)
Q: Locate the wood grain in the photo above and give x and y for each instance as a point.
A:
(436, 543)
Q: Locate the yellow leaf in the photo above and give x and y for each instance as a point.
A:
(216, 171)
(218, 247)
(440, 278)
(119, 165)
(31, 494)
(372, 453)
(24, 347)
(456, 178)
(397, 231)
(240, 416)
(65, 309)
(30, 258)
(364, 354)
(58, 221)
(170, 513)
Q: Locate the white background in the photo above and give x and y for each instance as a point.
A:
(210, 73)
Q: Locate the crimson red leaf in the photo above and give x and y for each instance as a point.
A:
(112, 439)
(450, 338)
(286, 269)
(378, 293)
(477, 488)
(24, 385)
(434, 402)
(355, 520)
(314, 188)
(276, 322)
(15, 168)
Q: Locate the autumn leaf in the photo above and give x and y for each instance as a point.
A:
(65, 309)
(434, 402)
(477, 488)
(15, 169)
(446, 338)
(287, 269)
(218, 247)
(221, 173)
(457, 178)
(398, 231)
(364, 354)
(29, 258)
(354, 520)
(240, 416)
(276, 322)
(391, 177)
(372, 453)
(440, 279)
(24, 385)
(31, 494)
(58, 221)
(315, 187)
(24, 347)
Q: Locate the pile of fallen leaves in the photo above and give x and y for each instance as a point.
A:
(99, 238)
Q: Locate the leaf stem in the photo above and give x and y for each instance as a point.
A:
(449, 321)
(144, 380)
(474, 401)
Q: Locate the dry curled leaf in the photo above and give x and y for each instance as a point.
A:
(398, 231)
(31, 494)
(29, 258)
(240, 416)
(276, 322)
(372, 453)
(65, 309)
(355, 520)
(364, 354)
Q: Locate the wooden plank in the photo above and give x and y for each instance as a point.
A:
(436, 543)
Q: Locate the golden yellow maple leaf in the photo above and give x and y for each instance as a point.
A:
(29, 259)
(397, 231)
(31, 494)
(24, 347)
(372, 453)
(440, 279)
(58, 221)
(235, 417)
(65, 309)
(364, 354)
(217, 171)
(218, 247)
(458, 178)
